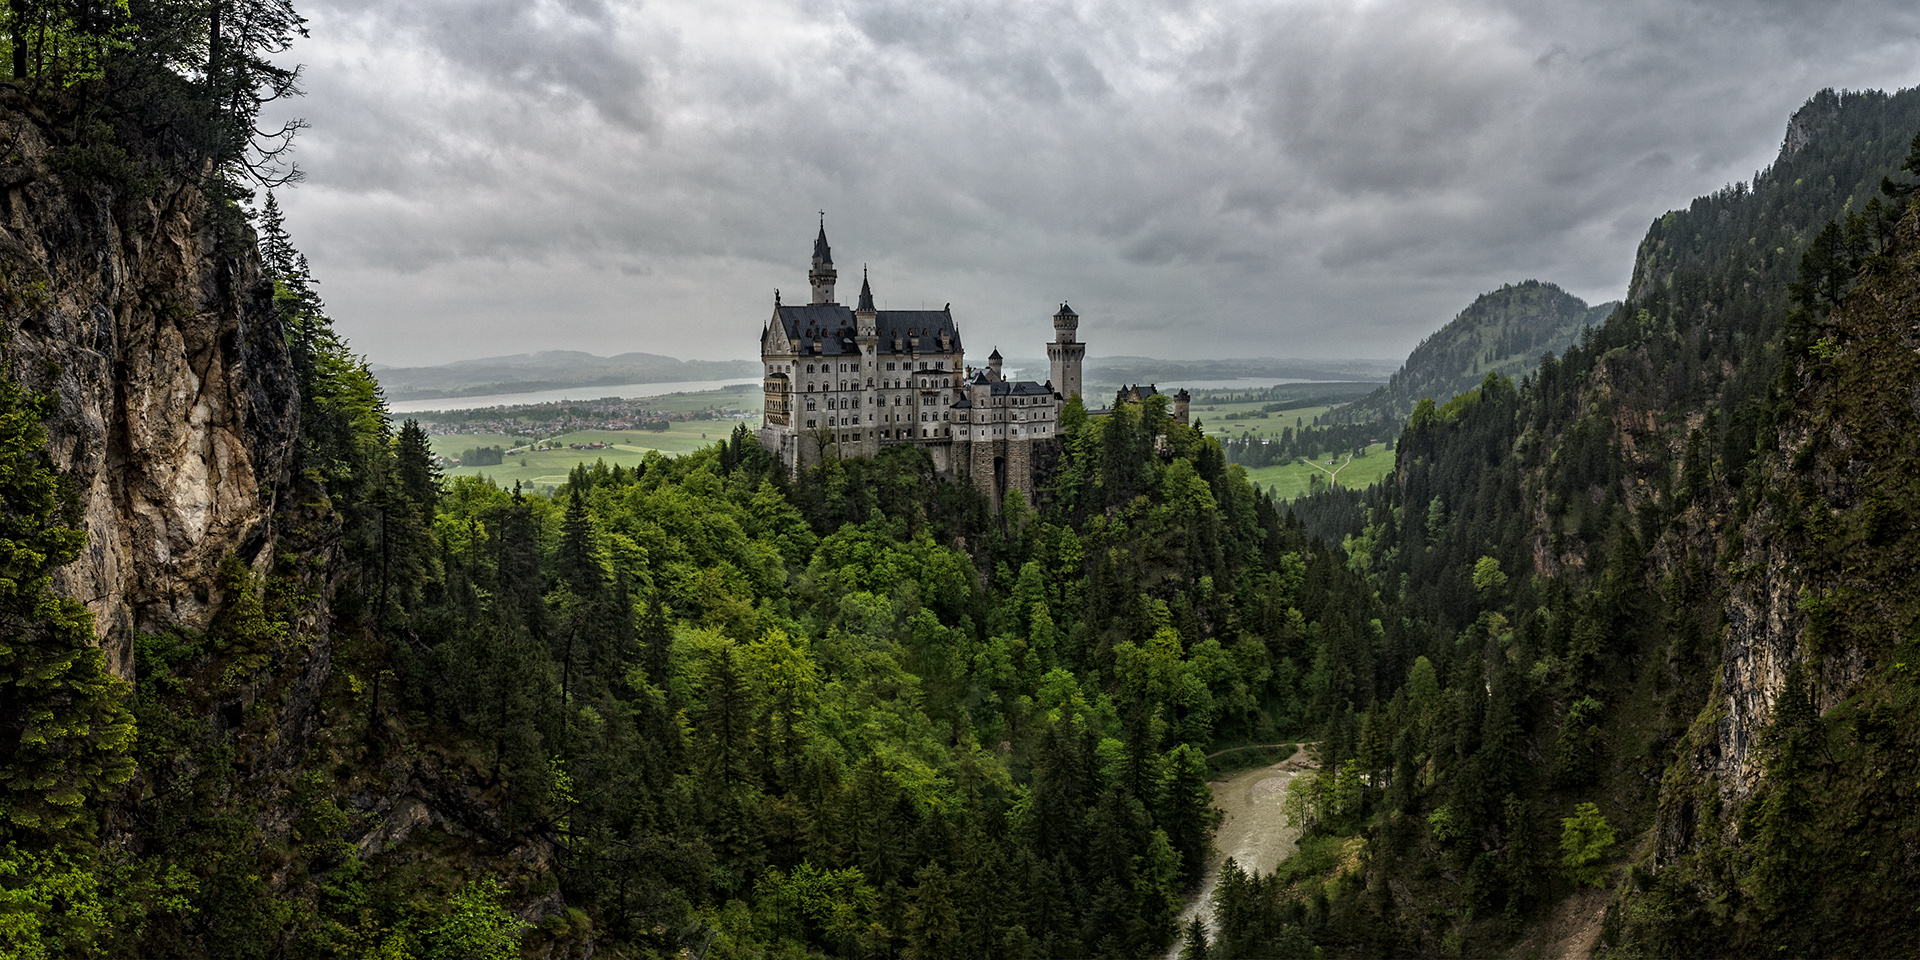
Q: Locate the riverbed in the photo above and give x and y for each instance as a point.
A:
(1254, 833)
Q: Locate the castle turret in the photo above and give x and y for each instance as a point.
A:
(993, 363)
(865, 316)
(1182, 404)
(822, 275)
(1065, 353)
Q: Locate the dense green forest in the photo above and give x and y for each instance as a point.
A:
(695, 705)
(700, 706)
(862, 712)
(1584, 560)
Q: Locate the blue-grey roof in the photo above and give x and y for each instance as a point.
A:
(1020, 388)
(833, 325)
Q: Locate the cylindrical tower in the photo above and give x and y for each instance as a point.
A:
(1065, 353)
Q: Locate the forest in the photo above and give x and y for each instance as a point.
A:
(699, 707)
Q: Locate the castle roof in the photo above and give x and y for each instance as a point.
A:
(821, 252)
(1005, 388)
(866, 292)
(832, 324)
(1065, 311)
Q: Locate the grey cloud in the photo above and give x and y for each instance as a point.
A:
(1313, 178)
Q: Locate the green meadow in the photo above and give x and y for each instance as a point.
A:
(1291, 480)
(547, 462)
(1213, 419)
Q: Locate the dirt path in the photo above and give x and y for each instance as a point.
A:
(1255, 832)
(1571, 932)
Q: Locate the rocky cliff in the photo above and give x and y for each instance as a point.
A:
(178, 412)
(1825, 573)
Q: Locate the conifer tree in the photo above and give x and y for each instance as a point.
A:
(64, 731)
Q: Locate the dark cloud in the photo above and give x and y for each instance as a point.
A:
(1198, 178)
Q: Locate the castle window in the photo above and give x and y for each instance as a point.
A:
(946, 381)
(810, 422)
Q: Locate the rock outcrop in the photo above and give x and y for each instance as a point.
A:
(178, 411)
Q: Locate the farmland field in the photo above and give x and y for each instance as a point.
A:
(1213, 419)
(545, 466)
(1287, 481)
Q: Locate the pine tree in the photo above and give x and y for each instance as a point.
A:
(1189, 816)
(579, 568)
(64, 731)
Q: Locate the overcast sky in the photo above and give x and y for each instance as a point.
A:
(1199, 179)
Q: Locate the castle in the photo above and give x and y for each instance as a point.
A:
(850, 382)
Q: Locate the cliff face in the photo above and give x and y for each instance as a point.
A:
(1827, 577)
(178, 411)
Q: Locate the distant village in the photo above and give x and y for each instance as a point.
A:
(558, 418)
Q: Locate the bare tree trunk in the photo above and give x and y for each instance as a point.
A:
(214, 9)
(20, 10)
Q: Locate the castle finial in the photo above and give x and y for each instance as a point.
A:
(776, 296)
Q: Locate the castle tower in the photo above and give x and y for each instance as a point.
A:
(865, 317)
(822, 275)
(1182, 406)
(993, 364)
(1064, 353)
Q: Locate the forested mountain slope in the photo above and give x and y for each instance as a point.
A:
(1504, 331)
(1661, 594)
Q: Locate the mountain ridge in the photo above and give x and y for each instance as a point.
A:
(1503, 331)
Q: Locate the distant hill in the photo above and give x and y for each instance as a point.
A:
(549, 370)
(1103, 374)
(1504, 331)
(1150, 370)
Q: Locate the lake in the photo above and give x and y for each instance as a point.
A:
(625, 391)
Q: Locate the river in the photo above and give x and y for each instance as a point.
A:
(1254, 833)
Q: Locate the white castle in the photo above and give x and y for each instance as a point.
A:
(849, 382)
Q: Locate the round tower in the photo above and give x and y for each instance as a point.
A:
(1066, 324)
(1065, 353)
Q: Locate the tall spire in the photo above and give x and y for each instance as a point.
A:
(866, 292)
(822, 275)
